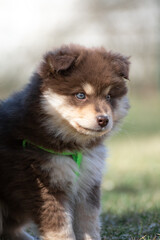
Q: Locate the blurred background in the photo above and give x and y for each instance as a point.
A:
(30, 28)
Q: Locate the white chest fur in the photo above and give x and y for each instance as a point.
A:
(62, 171)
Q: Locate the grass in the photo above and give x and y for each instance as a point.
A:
(131, 188)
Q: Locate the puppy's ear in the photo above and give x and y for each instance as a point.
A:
(121, 65)
(53, 64)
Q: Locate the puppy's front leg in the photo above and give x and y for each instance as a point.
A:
(87, 223)
(54, 217)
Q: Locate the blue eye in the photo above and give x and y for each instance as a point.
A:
(108, 98)
(80, 96)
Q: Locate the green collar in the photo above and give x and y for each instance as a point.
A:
(77, 156)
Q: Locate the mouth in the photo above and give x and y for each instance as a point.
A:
(91, 130)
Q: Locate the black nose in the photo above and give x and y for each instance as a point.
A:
(102, 120)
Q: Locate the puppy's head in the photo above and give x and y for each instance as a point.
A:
(84, 90)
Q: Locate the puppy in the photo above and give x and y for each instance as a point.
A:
(51, 143)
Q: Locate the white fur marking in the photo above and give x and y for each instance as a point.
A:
(106, 91)
(88, 88)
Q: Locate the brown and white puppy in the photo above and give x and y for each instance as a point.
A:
(73, 101)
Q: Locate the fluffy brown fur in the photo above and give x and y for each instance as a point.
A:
(74, 100)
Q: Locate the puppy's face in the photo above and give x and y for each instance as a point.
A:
(84, 90)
